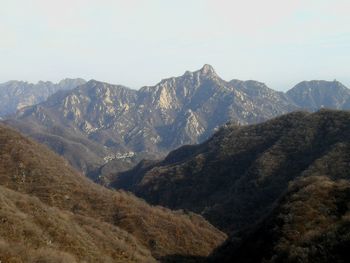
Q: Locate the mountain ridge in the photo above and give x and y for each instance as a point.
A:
(316, 94)
(15, 95)
(32, 170)
(104, 120)
(238, 155)
(150, 121)
(280, 188)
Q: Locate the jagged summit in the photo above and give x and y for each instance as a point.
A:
(153, 120)
(207, 70)
(15, 95)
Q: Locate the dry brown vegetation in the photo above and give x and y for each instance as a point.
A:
(238, 178)
(234, 178)
(311, 223)
(32, 169)
(34, 232)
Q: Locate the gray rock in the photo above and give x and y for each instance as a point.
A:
(15, 95)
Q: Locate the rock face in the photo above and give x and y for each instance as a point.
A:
(15, 95)
(313, 95)
(50, 211)
(101, 127)
(152, 121)
(236, 176)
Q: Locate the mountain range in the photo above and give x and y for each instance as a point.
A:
(280, 188)
(253, 170)
(101, 128)
(15, 95)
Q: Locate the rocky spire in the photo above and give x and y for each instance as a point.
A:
(207, 70)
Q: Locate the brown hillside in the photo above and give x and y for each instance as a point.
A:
(236, 177)
(34, 232)
(311, 223)
(281, 189)
(32, 169)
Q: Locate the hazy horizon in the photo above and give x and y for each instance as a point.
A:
(170, 76)
(138, 43)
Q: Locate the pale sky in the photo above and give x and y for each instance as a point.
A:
(139, 42)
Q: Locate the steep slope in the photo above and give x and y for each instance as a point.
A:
(125, 123)
(235, 178)
(15, 95)
(82, 153)
(311, 223)
(31, 169)
(34, 232)
(313, 95)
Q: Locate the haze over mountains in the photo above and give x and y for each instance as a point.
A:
(313, 95)
(101, 127)
(15, 95)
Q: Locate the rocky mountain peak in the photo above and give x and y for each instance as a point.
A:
(319, 84)
(155, 119)
(179, 110)
(207, 70)
(15, 95)
(316, 94)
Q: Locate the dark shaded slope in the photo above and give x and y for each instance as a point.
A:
(236, 177)
(311, 223)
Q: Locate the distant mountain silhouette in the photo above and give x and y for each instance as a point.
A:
(15, 95)
(313, 95)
